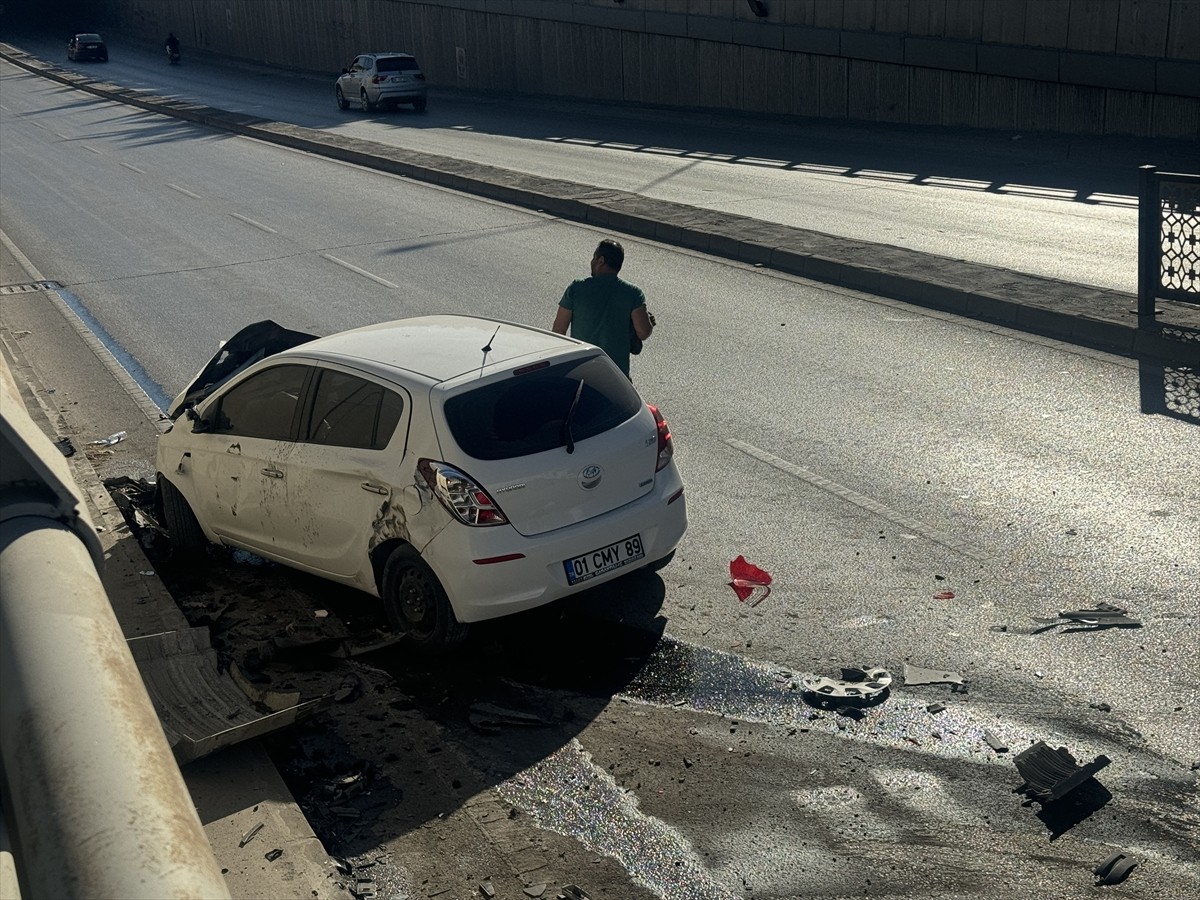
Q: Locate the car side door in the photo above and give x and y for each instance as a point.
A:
(355, 77)
(341, 474)
(238, 461)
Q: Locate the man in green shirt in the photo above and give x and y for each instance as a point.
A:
(599, 309)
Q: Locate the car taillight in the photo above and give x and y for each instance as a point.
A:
(666, 449)
(460, 494)
(379, 79)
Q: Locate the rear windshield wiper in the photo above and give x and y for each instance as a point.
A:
(567, 437)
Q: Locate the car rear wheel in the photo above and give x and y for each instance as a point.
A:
(419, 105)
(367, 105)
(342, 102)
(187, 538)
(416, 603)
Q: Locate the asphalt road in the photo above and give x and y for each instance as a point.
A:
(1048, 205)
(874, 458)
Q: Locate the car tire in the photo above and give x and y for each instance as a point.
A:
(342, 102)
(419, 105)
(416, 604)
(367, 105)
(187, 537)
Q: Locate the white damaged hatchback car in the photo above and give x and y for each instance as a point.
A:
(459, 468)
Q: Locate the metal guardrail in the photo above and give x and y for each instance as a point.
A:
(1168, 238)
(94, 802)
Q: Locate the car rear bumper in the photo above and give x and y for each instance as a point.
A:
(489, 590)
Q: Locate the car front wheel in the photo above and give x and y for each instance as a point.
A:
(416, 604)
(187, 538)
(342, 102)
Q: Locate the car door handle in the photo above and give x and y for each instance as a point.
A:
(272, 473)
(375, 488)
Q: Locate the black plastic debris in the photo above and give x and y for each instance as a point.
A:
(65, 447)
(1114, 869)
(918, 675)
(1051, 774)
(572, 892)
(935, 708)
(1105, 615)
(488, 891)
(272, 855)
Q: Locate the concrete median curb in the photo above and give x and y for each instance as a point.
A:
(1093, 317)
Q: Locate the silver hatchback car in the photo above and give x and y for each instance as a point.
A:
(375, 80)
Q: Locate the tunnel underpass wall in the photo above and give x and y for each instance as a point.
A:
(1075, 66)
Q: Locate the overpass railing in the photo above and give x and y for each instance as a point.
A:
(1168, 238)
(94, 803)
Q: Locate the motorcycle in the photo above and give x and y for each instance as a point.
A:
(173, 55)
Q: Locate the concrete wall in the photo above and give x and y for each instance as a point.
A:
(1076, 66)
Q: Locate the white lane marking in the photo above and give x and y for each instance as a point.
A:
(859, 500)
(259, 225)
(363, 272)
(134, 168)
(183, 191)
(93, 150)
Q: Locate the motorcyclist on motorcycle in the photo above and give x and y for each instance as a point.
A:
(172, 46)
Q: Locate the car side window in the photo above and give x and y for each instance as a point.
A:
(262, 406)
(348, 411)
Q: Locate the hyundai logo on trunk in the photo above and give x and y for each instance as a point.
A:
(590, 476)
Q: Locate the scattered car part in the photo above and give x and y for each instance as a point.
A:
(1051, 774)
(1105, 615)
(935, 708)
(1114, 869)
(995, 743)
(114, 438)
(749, 581)
(917, 675)
(250, 835)
(855, 684)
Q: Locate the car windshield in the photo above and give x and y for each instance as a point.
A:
(524, 414)
(396, 64)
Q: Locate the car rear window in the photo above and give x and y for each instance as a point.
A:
(524, 414)
(395, 64)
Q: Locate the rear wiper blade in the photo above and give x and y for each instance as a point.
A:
(567, 437)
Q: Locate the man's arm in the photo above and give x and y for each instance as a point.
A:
(562, 320)
(642, 326)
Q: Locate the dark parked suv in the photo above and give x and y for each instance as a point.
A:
(381, 79)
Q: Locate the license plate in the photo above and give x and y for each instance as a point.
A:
(604, 559)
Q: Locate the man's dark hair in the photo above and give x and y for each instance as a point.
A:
(612, 253)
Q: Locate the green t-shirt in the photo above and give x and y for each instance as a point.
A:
(600, 308)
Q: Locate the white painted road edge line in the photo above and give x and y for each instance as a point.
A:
(859, 500)
(183, 191)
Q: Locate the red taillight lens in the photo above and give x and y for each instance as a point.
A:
(458, 492)
(666, 449)
(379, 79)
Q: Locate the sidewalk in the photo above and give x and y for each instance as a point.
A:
(1092, 317)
